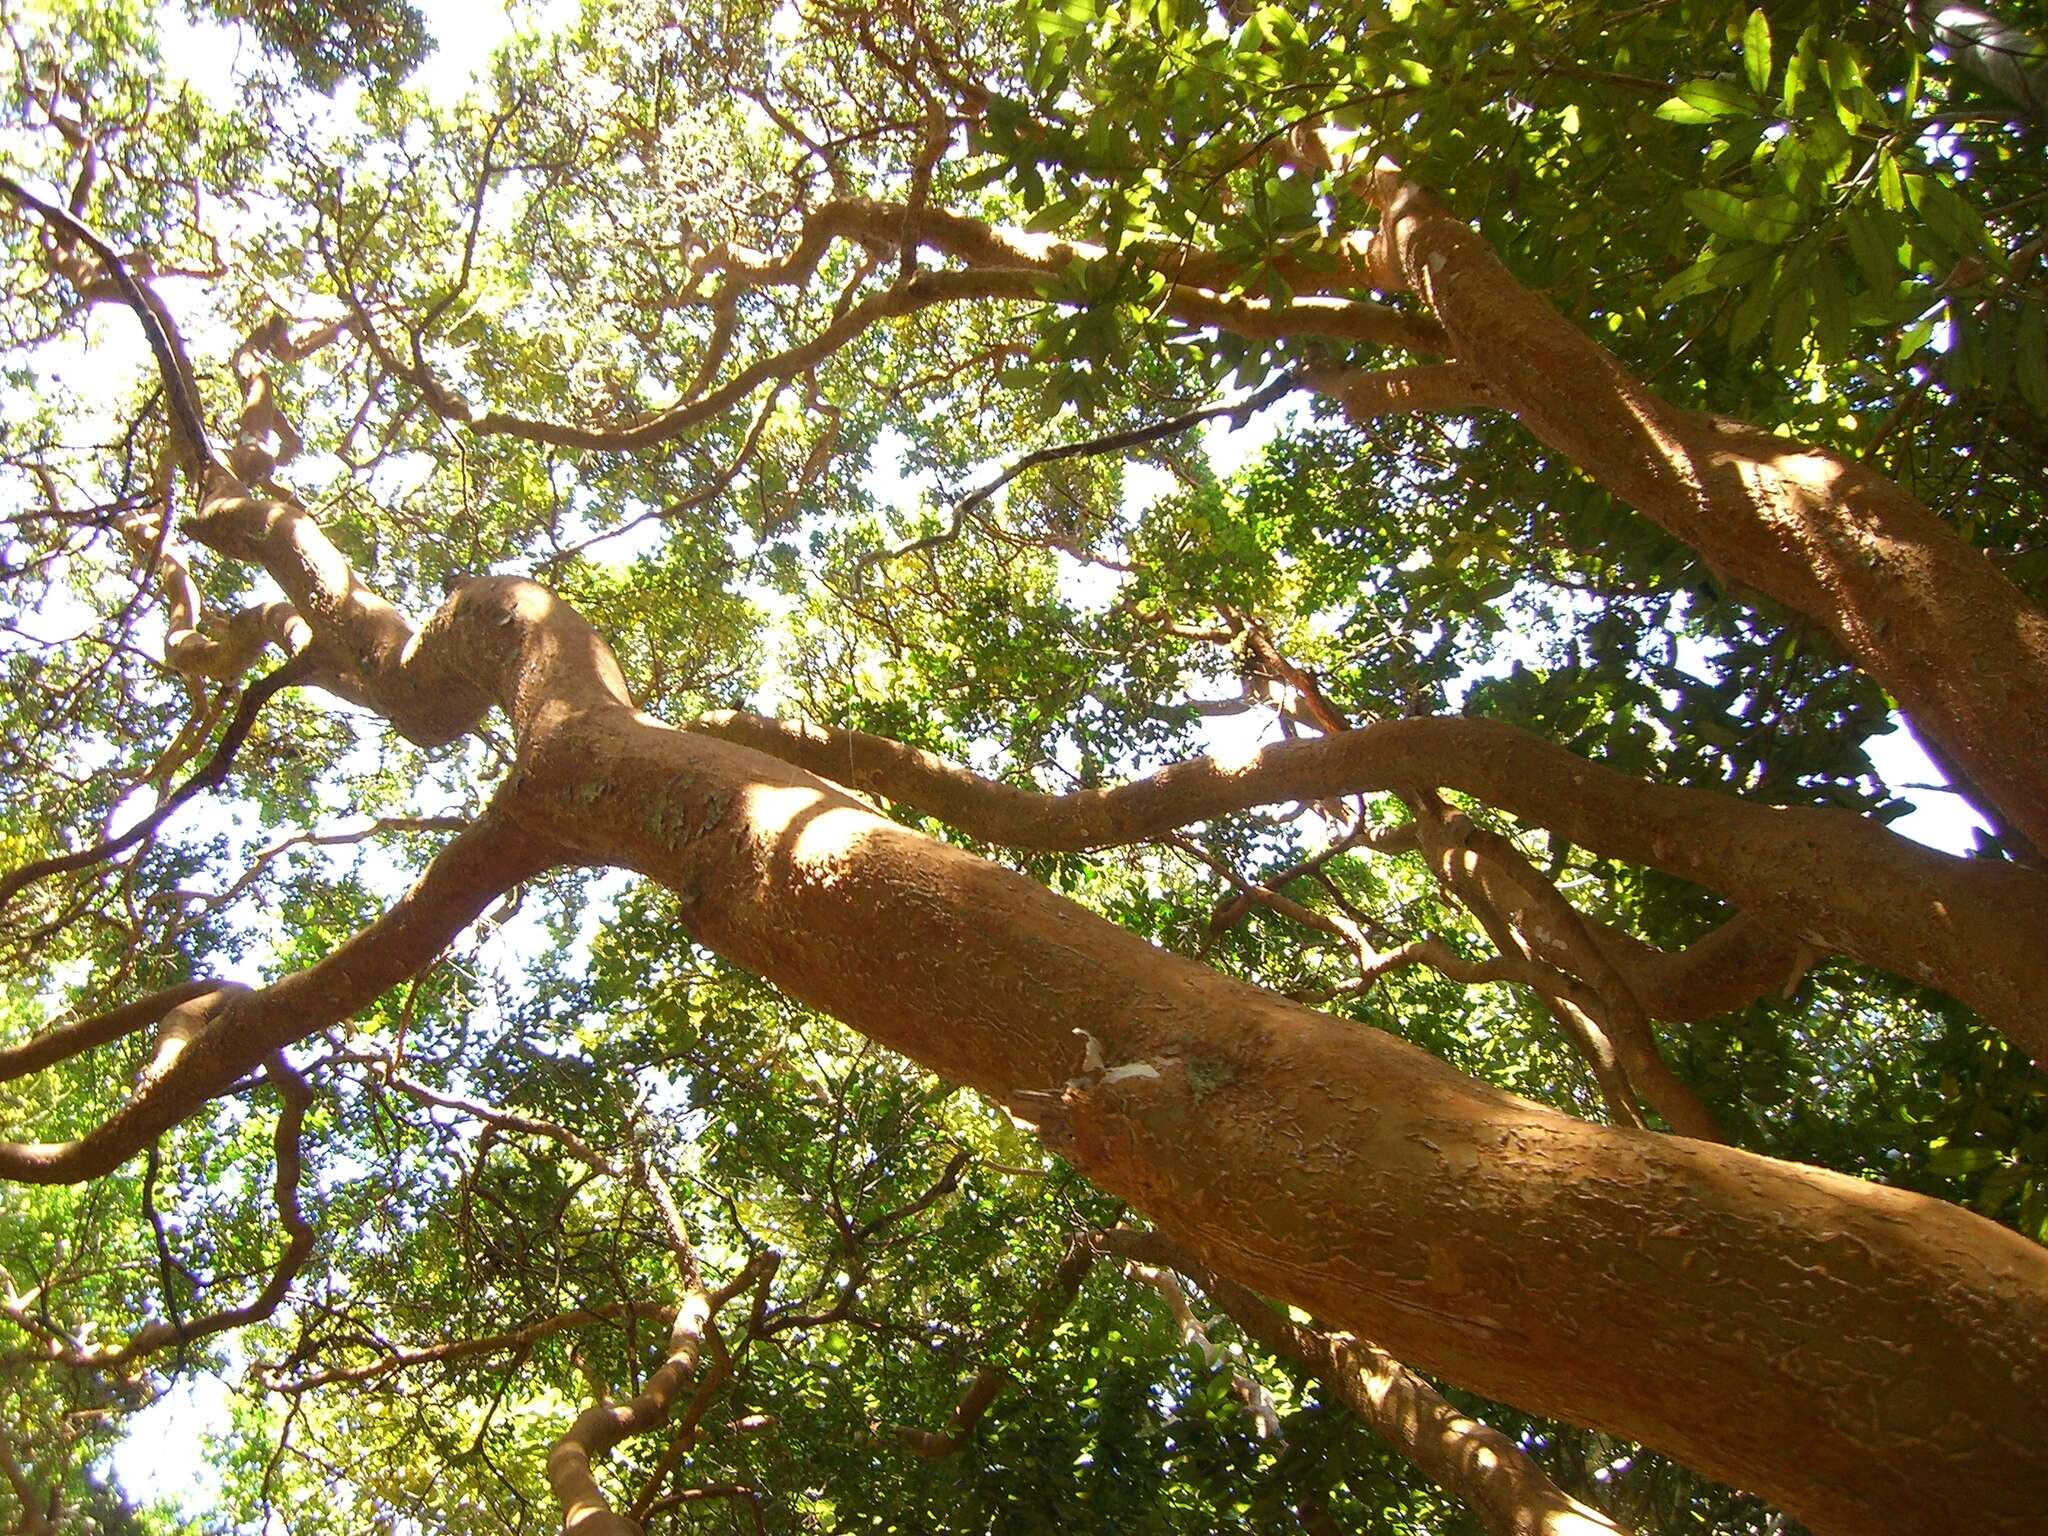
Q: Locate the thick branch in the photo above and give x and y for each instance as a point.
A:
(585, 1509)
(208, 1042)
(1472, 1461)
(64, 1041)
(1971, 926)
(1575, 1270)
(1927, 615)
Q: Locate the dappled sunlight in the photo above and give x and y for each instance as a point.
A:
(1238, 799)
(807, 825)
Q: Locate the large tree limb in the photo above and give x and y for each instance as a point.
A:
(1930, 617)
(1839, 882)
(1572, 1269)
(1470, 1460)
(207, 1042)
(61, 1042)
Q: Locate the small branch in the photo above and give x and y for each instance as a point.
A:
(177, 382)
(1113, 442)
(214, 774)
(510, 1341)
(158, 1334)
(1470, 1460)
(988, 1383)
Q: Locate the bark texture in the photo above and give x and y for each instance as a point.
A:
(1867, 1358)
(1956, 643)
(1827, 878)
(1470, 1460)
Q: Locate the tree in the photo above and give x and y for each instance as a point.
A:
(1651, 1064)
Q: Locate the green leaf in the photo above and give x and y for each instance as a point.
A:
(1964, 368)
(1722, 212)
(1788, 324)
(1954, 219)
(1701, 101)
(1756, 51)
(1853, 100)
(1751, 313)
(2030, 359)
(1725, 269)
(1677, 110)
(1802, 71)
(1953, 1162)
(1830, 310)
(1695, 279)
(1914, 339)
(1891, 185)
(1772, 220)
(1876, 257)
(1054, 214)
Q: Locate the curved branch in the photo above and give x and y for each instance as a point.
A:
(1839, 882)
(500, 1119)
(585, 1509)
(512, 1340)
(997, 264)
(64, 1041)
(1523, 910)
(161, 1333)
(1111, 442)
(1923, 612)
(177, 378)
(298, 669)
(1472, 1461)
(207, 1043)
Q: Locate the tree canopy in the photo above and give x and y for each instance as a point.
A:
(1062, 765)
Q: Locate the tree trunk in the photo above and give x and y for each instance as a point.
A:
(1932, 619)
(1868, 1358)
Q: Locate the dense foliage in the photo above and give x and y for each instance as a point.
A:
(1795, 213)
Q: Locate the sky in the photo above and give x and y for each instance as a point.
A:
(162, 1458)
